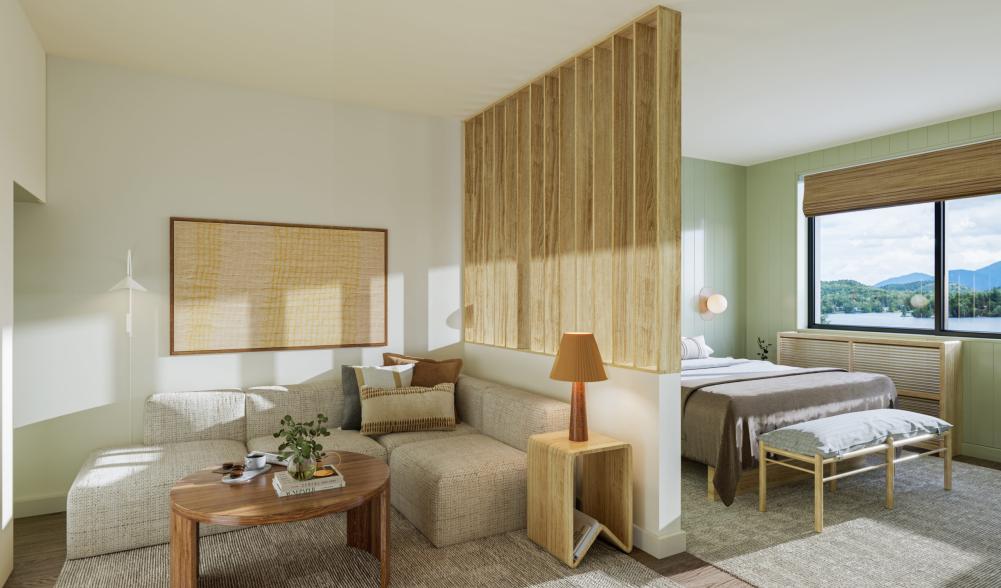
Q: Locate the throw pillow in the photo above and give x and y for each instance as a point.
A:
(354, 377)
(695, 348)
(407, 409)
(427, 372)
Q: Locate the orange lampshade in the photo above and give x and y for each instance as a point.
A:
(578, 359)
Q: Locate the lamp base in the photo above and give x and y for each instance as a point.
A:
(578, 413)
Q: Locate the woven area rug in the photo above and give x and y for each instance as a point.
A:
(312, 553)
(931, 538)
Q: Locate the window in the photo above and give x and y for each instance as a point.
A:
(973, 264)
(876, 269)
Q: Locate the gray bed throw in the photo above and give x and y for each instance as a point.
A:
(722, 417)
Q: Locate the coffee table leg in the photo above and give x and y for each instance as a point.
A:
(183, 552)
(382, 541)
(368, 529)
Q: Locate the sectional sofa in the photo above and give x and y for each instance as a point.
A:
(454, 486)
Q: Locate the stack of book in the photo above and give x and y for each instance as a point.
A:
(286, 485)
(586, 529)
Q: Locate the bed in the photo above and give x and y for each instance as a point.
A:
(727, 403)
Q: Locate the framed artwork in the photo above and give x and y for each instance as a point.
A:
(240, 286)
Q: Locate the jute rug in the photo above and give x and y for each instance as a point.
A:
(313, 554)
(931, 538)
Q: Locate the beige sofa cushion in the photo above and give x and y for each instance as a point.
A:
(266, 405)
(174, 417)
(338, 440)
(512, 415)
(394, 440)
(457, 490)
(121, 497)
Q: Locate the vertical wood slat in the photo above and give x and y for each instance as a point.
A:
(584, 194)
(470, 260)
(488, 228)
(551, 205)
(668, 110)
(622, 200)
(572, 204)
(602, 199)
(537, 230)
(565, 240)
(523, 337)
(511, 217)
(646, 320)
(498, 252)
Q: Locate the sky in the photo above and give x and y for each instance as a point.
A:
(872, 245)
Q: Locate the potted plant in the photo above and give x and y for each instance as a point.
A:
(763, 348)
(300, 447)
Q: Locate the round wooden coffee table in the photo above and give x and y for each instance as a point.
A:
(202, 498)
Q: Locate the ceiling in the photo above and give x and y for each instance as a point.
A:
(761, 79)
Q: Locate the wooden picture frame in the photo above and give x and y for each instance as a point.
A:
(332, 280)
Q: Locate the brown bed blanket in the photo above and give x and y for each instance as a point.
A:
(722, 417)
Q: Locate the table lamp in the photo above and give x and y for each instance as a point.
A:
(578, 360)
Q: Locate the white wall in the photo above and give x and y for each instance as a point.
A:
(127, 151)
(642, 408)
(22, 160)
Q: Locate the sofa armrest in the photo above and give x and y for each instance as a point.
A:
(512, 415)
(175, 417)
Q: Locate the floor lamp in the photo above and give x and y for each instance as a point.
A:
(127, 283)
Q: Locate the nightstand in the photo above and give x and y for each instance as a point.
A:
(606, 491)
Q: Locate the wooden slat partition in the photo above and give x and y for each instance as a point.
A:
(573, 209)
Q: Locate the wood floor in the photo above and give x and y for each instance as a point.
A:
(40, 549)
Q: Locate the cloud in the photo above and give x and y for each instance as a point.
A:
(873, 245)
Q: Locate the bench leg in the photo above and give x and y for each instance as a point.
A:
(834, 471)
(890, 456)
(818, 493)
(948, 460)
(762, 476)
(710, 490)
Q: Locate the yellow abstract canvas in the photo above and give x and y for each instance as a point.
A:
(246, 286)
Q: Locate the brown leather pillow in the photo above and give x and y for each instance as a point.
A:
(427, 372)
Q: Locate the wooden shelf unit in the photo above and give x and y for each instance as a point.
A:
(606, 488)
(927, 372)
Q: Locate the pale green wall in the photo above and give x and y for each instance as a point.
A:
(712, 244)
(774, 270)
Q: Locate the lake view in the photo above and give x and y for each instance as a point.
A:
(894, 320)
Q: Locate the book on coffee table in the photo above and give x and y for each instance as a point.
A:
(285, 485)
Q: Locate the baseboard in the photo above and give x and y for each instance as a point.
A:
(981, 452)
(659, 545)
(39, 505)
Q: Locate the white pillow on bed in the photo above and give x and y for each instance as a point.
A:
(695, 348)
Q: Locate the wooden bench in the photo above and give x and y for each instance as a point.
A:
(815, 463)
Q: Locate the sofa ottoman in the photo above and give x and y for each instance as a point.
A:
(459, 489)
(121, 497)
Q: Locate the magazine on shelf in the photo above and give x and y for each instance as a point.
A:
(586, 529)
(285, 485)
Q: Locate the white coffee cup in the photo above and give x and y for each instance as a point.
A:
(254, 461)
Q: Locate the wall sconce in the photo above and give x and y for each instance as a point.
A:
(711, 304)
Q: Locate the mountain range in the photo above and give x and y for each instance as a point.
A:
(981, 280)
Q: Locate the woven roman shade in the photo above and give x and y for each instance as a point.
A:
(972, 170)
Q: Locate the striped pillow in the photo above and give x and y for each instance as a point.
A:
(403, 410)
(695, 348)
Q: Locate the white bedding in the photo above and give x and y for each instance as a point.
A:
(712, 367)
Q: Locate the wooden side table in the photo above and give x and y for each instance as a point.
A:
(606, 491)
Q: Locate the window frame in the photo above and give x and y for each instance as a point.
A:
(940, 330)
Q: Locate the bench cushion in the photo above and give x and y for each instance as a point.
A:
(836, 435)
(121, 497)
